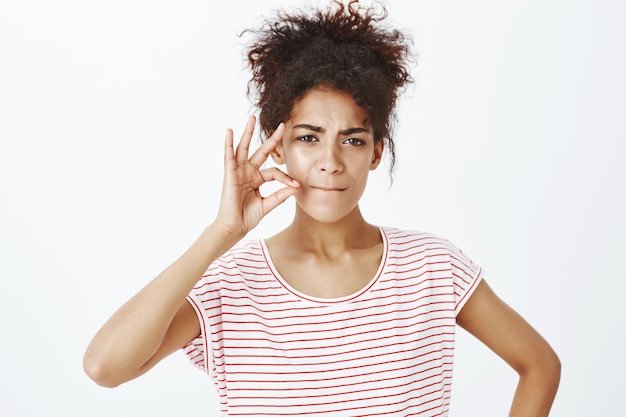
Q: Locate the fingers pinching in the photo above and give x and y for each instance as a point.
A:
(279, 196)
(275, 174)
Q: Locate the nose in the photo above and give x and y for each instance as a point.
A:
(329, 160)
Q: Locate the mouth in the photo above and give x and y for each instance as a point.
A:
(324, 188)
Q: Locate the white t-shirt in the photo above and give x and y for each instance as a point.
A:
(386, 350)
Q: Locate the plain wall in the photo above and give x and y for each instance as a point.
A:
(112, 117)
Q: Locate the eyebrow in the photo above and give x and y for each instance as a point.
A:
(319, 129)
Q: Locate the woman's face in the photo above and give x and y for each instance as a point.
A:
(329, 148)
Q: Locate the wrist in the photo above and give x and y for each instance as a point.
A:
(223, 235)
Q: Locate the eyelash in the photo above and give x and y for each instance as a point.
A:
(351, 141)
(306, 138)
(355, 141)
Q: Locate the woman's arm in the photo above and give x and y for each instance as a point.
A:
(505, 332)
(158, 320)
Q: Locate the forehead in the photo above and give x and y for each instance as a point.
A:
(326, 104)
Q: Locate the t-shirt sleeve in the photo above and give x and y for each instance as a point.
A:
(205, 300)
(465, 276)
(197, 350)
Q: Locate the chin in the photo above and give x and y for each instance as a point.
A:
(327, 214)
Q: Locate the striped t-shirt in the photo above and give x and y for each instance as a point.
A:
(386, 350)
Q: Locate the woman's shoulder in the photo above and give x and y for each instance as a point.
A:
(246, 255)
(411, 243)
(247, 249)
(410, 235)
(411, 238)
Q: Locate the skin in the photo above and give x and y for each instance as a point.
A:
(328, 149)
(158, 320)
(329, 250)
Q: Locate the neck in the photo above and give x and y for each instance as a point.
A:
(350, 232)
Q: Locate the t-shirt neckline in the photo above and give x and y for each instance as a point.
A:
(366, 288)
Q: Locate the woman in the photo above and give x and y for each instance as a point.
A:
(331, 315)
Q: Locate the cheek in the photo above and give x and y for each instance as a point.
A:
(363, 168)
(295, 171)
(296, 165)
(296, 175)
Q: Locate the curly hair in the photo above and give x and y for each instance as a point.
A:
(345, 48)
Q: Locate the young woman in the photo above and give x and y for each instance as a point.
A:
(332, 315)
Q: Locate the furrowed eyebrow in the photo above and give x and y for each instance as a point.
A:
(319, 129)
(353, 130)
(309, 127)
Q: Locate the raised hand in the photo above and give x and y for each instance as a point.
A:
(129, 344)
(242, 206)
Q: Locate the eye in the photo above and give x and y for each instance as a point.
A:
(354, 141)
(306, 138)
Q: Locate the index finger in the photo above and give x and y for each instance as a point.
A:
(264, 151)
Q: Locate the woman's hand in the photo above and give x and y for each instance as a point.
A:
(157, 320)
(242, 206)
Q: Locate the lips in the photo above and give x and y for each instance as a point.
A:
(328, 188)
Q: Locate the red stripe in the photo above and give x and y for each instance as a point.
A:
(399, 328)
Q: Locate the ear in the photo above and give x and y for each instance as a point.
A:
(377, 155)
(278, 153)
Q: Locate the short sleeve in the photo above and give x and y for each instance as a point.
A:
(196, 350)
(465, 276)
(206, 301)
